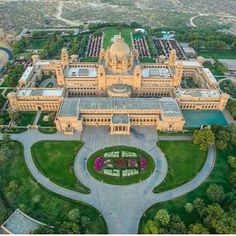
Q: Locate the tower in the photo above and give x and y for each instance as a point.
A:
(101, 78)
(64, 57)
(172, 58)
(35, 58)
(60, 75)
(137, 77)
(178, 74)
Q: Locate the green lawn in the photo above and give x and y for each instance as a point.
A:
(219, 175)
(189, 133)
(89, 59)
(19, 190)
(182, 165)
(55, 159)
(147, 60)
(217, 54)
(46, 130)
(110, 32)
(26, 118)
(121, 180)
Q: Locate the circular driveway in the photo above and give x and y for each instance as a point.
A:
(121, 206)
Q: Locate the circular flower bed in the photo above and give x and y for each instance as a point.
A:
(120, 165)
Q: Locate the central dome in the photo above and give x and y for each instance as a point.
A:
(119, 48)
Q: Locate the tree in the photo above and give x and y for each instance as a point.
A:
(150, 228)
(197, 229)
(85, 221)
(218, 221)
(203, 137)
(74, 215)
(6, 138)
(162, 217)
(232, 161)
(233, 178)
(68, 227)
(3, 212)
(189, 207)
(42, 229)
(5, 153)
(200, 205)
(176, 225)
(215, 193)
(14, 116)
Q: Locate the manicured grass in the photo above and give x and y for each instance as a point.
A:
(19, 190)
(217, 54)
(55, 160)
(26, 118)
(110, 32)
(185, 160)
(48, 123)
(47, 130)
(147, 60)
(89, 59)
(219, 175)
(188, 133)
(121, 180)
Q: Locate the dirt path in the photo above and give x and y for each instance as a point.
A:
(59, 17)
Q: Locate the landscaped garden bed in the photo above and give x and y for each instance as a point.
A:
(120, 165)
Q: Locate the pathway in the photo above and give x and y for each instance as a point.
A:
(121, 206)
(59, 17)
(37, 117)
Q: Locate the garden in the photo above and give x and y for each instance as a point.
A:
(94, 45)
(120, 165)
(19, 190)
(179, 161)
(55, 159)
(141, 45)
(186, 208)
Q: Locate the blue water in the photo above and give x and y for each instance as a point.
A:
(195, 119)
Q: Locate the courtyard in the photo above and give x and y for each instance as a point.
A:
(122, 206)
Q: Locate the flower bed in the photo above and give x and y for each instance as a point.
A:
(113, 163)
(120, 165)
(98, 163)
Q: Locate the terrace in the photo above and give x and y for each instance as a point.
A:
(156, 72)
(73, 72)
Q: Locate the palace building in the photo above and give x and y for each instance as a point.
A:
(118, 91)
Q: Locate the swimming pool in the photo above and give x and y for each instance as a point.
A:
(195, 119)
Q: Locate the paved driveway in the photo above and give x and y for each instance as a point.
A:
(121, 206)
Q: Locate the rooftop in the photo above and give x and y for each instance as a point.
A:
(72, 106)
(198, 93)
(89, 72)
(156, 72)
(120, 119)
(20, 223)
(26, 75)
(210, 76)
(41, 92)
